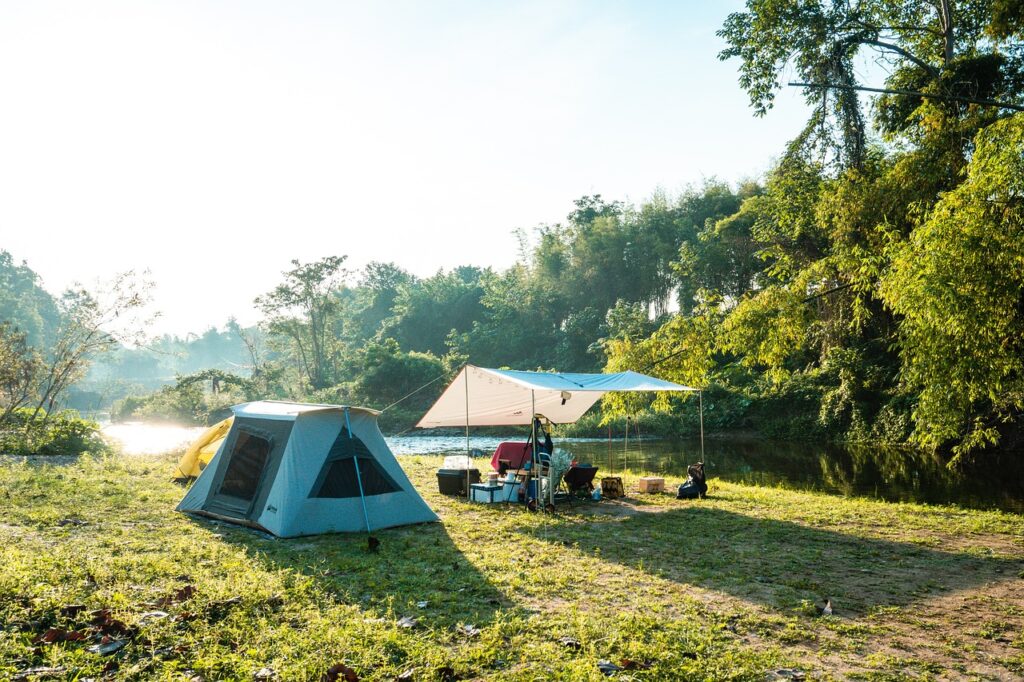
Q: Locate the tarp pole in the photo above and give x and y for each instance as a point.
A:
(700, 397)
(465, 373)
(625, 444)
(533, 445)
(551, 471)
(609, 449)
(359, 478)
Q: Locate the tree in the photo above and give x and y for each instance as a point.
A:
(958, 284)
(715, 247)
(19, 369)
(91, 324)
(428, 310)
(935, 47)
(682, 350)
(300, 309)
(387, 374)
(375, 299)
(25, 304)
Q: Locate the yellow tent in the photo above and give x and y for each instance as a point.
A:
(203, 449)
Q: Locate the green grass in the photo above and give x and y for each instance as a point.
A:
(719, 589)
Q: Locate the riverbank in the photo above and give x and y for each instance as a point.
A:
(717, 589)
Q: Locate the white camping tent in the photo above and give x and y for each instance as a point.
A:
(501, 397)
(480, 396)
(295, 469)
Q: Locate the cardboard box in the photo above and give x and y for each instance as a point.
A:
(611, 488)
(652, 484)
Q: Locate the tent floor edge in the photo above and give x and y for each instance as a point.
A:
(245, 523)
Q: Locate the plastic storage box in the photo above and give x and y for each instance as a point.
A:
(453, 481)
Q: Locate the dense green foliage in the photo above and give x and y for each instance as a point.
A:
(24, 304)
(884, 298)
(47, 345)
(868, 287)
(64, 433)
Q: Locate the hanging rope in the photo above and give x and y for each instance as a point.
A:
(409, 395)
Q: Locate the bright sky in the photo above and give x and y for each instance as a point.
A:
(213, 141)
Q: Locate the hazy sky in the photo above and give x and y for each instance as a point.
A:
(212, 142)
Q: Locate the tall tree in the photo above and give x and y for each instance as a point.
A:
(25, 304)
(941, 48)
(19, 370)
(300, 309)
(959, 286)
(91, 324)
(427, 311)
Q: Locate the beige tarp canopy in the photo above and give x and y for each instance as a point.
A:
(499, 397)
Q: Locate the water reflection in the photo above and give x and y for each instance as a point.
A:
(883, 472)
(141, 438)
(888, 473)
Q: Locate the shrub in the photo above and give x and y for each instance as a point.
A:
(61, 433)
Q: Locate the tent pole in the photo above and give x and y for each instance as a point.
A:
(465, 373)
(609, 449)
(533, 445)
(359, 478)
(551, 471)
(700, 397)
(625, 444)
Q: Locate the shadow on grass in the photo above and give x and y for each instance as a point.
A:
(777, 563)
(414, 564)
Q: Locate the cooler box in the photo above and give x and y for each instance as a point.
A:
(453, 481)
(510, 490)
(481, 492)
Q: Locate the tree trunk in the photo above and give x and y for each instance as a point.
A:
(948, 36)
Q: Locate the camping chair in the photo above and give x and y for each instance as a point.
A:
(579, 481)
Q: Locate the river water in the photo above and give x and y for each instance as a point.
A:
(888, 473)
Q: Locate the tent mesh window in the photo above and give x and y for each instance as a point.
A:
(338, 477)
(248, 458)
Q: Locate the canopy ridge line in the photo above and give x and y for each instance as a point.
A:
(562, 376)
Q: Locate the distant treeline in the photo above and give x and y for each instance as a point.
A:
(869, 287)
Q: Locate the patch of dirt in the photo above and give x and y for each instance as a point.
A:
(964, 634)
(622, 507)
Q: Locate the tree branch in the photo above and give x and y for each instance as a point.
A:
(912, 93)
(932, 71)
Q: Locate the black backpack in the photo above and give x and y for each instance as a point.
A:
(695, 485)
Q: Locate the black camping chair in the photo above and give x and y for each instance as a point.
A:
(579, 481)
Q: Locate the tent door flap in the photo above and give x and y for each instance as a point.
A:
(244, 473)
